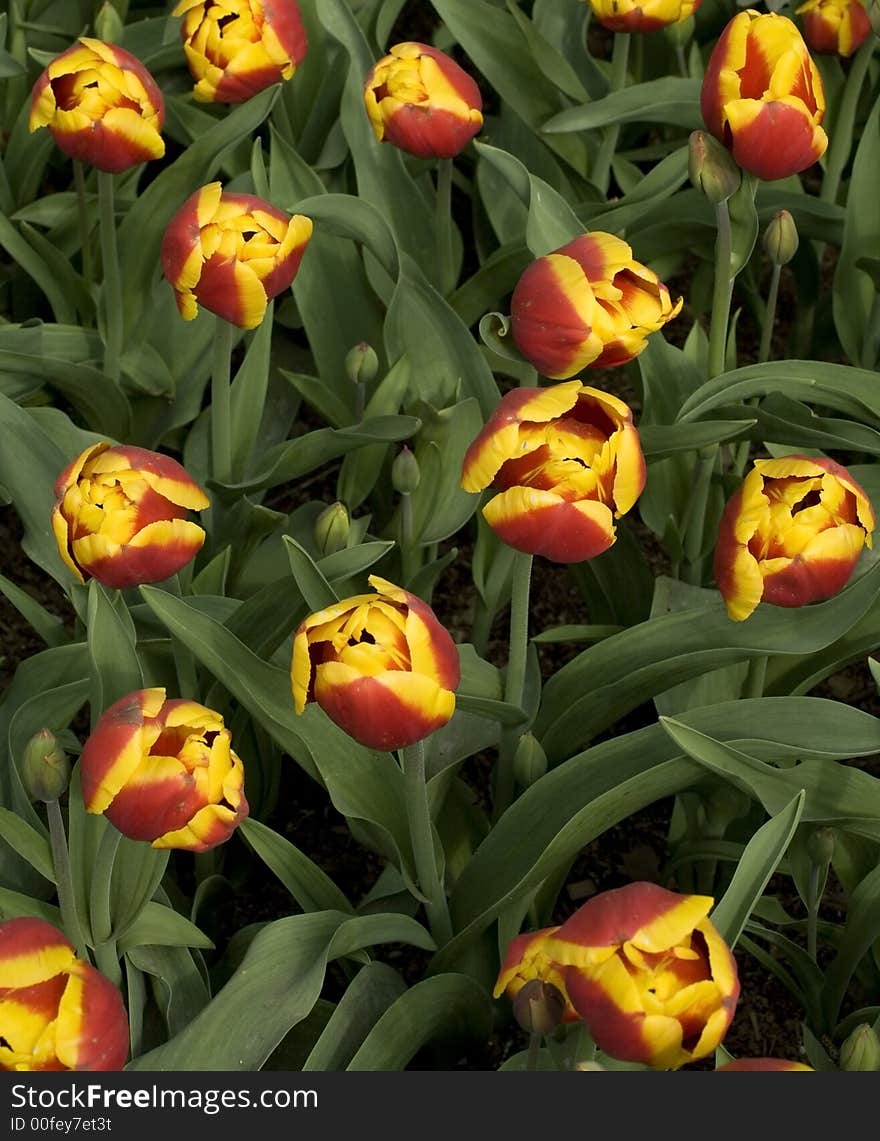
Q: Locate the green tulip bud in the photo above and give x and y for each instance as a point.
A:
(361, 363)
(331, 529)
(405, 474)
(781, 238)
(539, 1007)
(861, 1050)
(820, 845)
(712, 168)
(45, 770)
(529, 761)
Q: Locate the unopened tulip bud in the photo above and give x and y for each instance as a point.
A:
(108, 24)
(781, 238)
(539, 1007)
(820, 845)
(712, 168)
(361, 363)
(45, 769)
(529, 761)
(861, 1050)
(405, 473)
(331, 529)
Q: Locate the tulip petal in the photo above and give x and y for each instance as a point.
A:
(32, 951)
(541, 523)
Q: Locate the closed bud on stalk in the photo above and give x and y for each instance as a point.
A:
(820, 845)
(539, 1007)
(711, 167)
(331, 529)
(108, 24)
(529, 760)
(781, 238)
(861, 1050)
(45, 769)
(361, 363)
(405, 474)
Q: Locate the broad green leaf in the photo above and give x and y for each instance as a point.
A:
(274, 988)
(116, 670)
(447, 1007)
(669, 100)
(312, 585)
(15, 905)
(49, 626)
(161, 926)
(860, 933)
(368, 996)
(29, 844)
(312, 888)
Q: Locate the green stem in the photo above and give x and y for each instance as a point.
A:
(601, 175)
(872, 336)
(112, 283)
(694, 519)
(514, 684)
(840, 143)
(534, 1053)
(221, 405)
(769, 315)
(722, 291)
(408, 550)
(482, 627)
(753, 686)
(106, 956)
(815, 894)
(421, 830)
(79, 180)
(443, 227)
(681, 58)
(64, 879)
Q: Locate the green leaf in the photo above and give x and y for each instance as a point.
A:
(29, 844)
(274, 988)
(860, 933)
(369, 995)
(36, 268)
(248, 393)
(312, 888)
(445, 1008)
(669, 100)
(116, 669)
(161, 926)
(49, 626)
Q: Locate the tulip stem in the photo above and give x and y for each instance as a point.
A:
(841, 136)
(515, 679)
(421, 829)
(111, 290)
(756, 675)
(601, 174)
(221, 406)
(722, 291)
(534, 1053)
(443, 227)
(106, 956)
(814, 892)
(79, 180)
(64, 879)
(769, 315)
(409, 557)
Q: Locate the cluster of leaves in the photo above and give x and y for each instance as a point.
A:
(752, 764)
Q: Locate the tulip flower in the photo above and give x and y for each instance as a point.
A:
(237, 48)
(421, 101)
(587, 303)
(56, 1011)
(834, 27)
(380, 665)
(647, 16)
(644, 969)
(525, 961)
(567, 462)
(762, 96)
(231, 253)
(791, 534)
(762, 1064)
(101, 105)
(120, 515)
(163, 770)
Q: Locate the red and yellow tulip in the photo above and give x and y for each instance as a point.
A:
(163, 770)
(120, 515)
(237, 48)
(101, 105)
(231, 253)
(762, 1064)
(791, 534)
(762, 96)
(587, 303)
(642, 15)
(380, 665)
(834, 27)
(56, 1012)
(421, 101)
(567, 462)
(643, 967)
